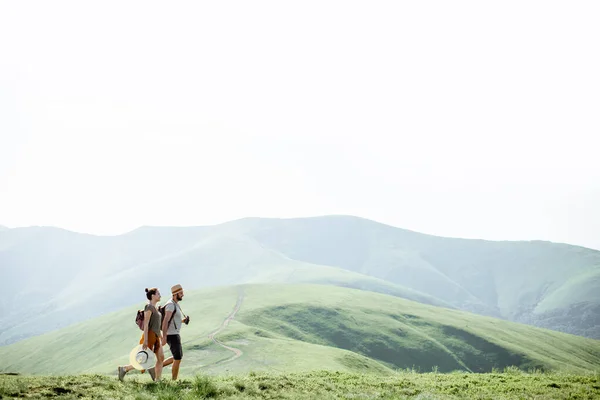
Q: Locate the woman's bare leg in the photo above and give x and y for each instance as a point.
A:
(160, 357)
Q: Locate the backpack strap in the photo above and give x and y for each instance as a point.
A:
(178, 306)
(173, 314)
(174, 311)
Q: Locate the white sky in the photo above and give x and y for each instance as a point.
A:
(467, 119)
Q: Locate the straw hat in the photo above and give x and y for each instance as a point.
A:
(176, 288)
(142, 359)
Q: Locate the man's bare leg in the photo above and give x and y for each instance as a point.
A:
(175, 369)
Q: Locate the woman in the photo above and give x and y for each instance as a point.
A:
(151, 338)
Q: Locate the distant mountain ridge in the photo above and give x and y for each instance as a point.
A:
(506, 279)
(54, 277)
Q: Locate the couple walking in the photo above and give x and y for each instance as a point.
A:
(170, 325)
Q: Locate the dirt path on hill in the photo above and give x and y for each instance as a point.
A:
(237, 352)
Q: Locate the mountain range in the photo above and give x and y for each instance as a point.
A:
(52, 278)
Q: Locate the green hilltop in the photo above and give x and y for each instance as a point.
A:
(285, 328)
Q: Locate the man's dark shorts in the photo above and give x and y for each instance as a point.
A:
(174, 342)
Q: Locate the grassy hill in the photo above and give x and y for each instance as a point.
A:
(52, 278)
(299, 328)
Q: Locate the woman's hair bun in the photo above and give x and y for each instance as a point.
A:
(146, 290)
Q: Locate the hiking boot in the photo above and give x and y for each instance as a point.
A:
(121, 372)
(152, 373)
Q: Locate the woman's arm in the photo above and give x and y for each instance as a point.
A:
(147, 315)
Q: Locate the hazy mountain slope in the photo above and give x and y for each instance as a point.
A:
(45, 270)
(52, 277)
(305, 327)
(75, 277)
(366, 247)
(38, 264)
(573, 307)
(507, 279)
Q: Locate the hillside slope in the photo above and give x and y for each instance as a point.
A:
(291, 328)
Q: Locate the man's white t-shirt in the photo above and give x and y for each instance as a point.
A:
(175, 325)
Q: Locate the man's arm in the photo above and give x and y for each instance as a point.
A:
(165, 325)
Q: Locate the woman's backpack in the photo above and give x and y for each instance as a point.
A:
(139, 319)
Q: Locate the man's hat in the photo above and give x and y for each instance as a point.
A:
(176, 288)
(142, 359)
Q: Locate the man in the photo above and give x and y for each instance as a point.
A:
(171, 326)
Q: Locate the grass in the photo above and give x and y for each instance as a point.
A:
(407, 384)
